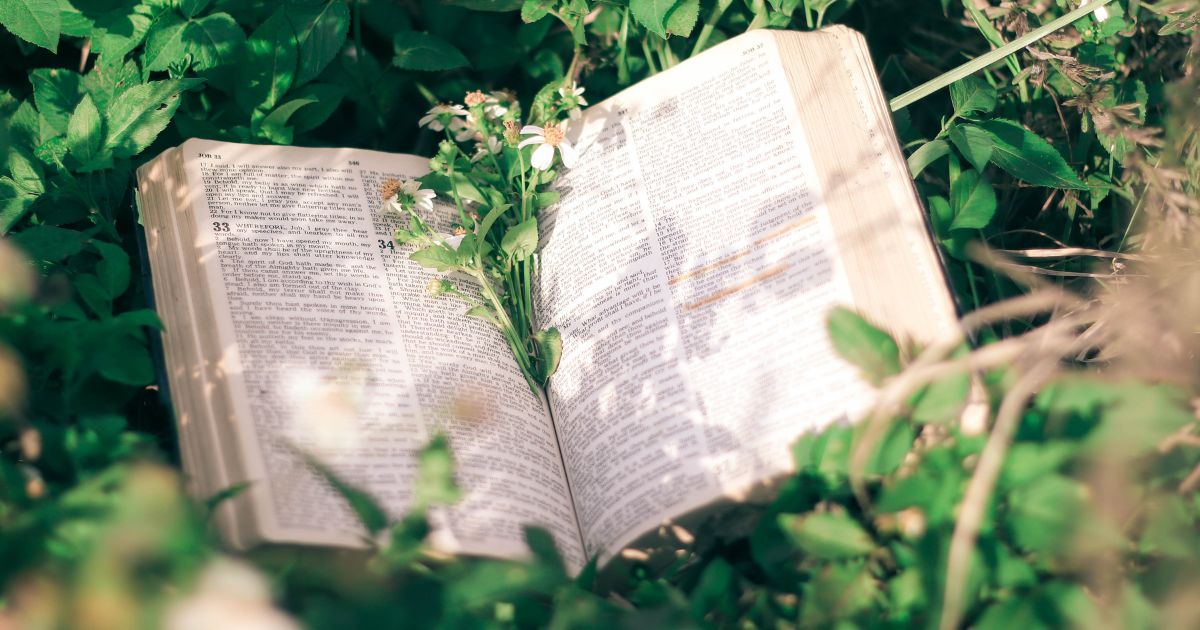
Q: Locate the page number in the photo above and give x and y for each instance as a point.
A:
(387, 245)
(220, 226)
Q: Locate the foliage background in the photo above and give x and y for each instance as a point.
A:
(1069, 499)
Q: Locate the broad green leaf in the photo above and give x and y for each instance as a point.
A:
(1043, 514)
(271, 64)
(549, 347)
(140, 113)
(872, 350)
(214, 41)
(422, 51)
(26, 172)
(973, 143)
(112, 270)
(117, 33)
(274, 126)
(85, 137)
(972, 95)
(325, 96)
(106, 80)
(49, 243)
(925, 155)
(38, 22)
(973, 200)
(891, 450)
(435, 475)
(164, 41)
(56, 91)
(682, 18)
(320, 32)
(521, 239)
(652, 14)
(827, 536)
(438, 257)
(534, 10)
(942, 401)
(1028, 157)
(192, 8)
(93, 294)
(14, 203)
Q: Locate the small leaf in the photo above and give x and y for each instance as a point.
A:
(927, 154)
(212, 502)
(856, 340)
(56, 92)
(827, 536)
(274, 125)
(113, 268)
(140, 113)
(423, 51)
(85, 137)
(38, 22)
(972, 95)
(435, 475)
(325, 96)
(534, 10)
(973, 143)
(973, 200)
(682, 18)
(437, 257)
(369, 512)
(49, 243)
(1028, 157)
(549, 346)
(521, 240)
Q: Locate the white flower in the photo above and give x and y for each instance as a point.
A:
(494, 106)
(463, 130)
(549, 137)
(453, 241)
(433, 118)
(411, 194)
(230, 595)
(492, 146)
(573, 95)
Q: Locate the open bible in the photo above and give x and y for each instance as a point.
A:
(717, 211)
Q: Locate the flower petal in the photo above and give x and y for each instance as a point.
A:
(528, 129)
(542, 157)
(454, 241)
(569, 155)
(531, 140)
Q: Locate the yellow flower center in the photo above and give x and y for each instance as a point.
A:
(389, 188)
(475, 98)
(553, 134)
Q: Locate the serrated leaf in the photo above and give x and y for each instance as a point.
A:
(975, 144)
(973, 200)
(827, 536)
(106, 80)
(681, 19)
(872, 350)
(164, 41)
(925, 155)
(972, 95)
(415, 50)
(652, 14)
(56, 91)
(85, 137)
(140, 113)
(38, 22)
(1028, 157)
(320, 32)
(117, 33)
(521, 239)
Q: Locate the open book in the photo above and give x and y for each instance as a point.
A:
(716, 213)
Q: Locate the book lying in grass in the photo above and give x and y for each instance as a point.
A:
(716, 213)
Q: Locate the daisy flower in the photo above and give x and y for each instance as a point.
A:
(550, 137)
(482, 149)
(408, 194)
(440, 115)
(573, 95)
(463, 130)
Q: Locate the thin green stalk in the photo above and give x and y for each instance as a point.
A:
(649, 55)
(983, 61)
(711, 22)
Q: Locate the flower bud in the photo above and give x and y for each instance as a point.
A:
(438, 286)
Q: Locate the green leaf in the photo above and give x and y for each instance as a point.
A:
(827, 536)
(214, 41)
(26, 172)
(521, 239)
(973, 143)
(973, 200)
(1043, 514)
(93, 294)
(437, 257)
(14, 203)
(113, 268)
(109, 77)
(534, 10)
(192, 8)
(272, 52)
(872, 350)
(85, 137)
(274, 125)
(435, 475)
(320, 32)
(652, 14)
(925, 155)
(941, 402)
(36, 21)
(140, 113)
(369, 512)
(116, 34)
(549, 347)
(56, 91)
(972, 95)
(221, 496)
(482, 312)
(422, 51)
(325, 96)
(49, 243)
(497, 6)
(164, 41)
(1028, 157)
(682, 18)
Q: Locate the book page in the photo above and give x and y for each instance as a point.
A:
(690, 265)
(329, 345)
